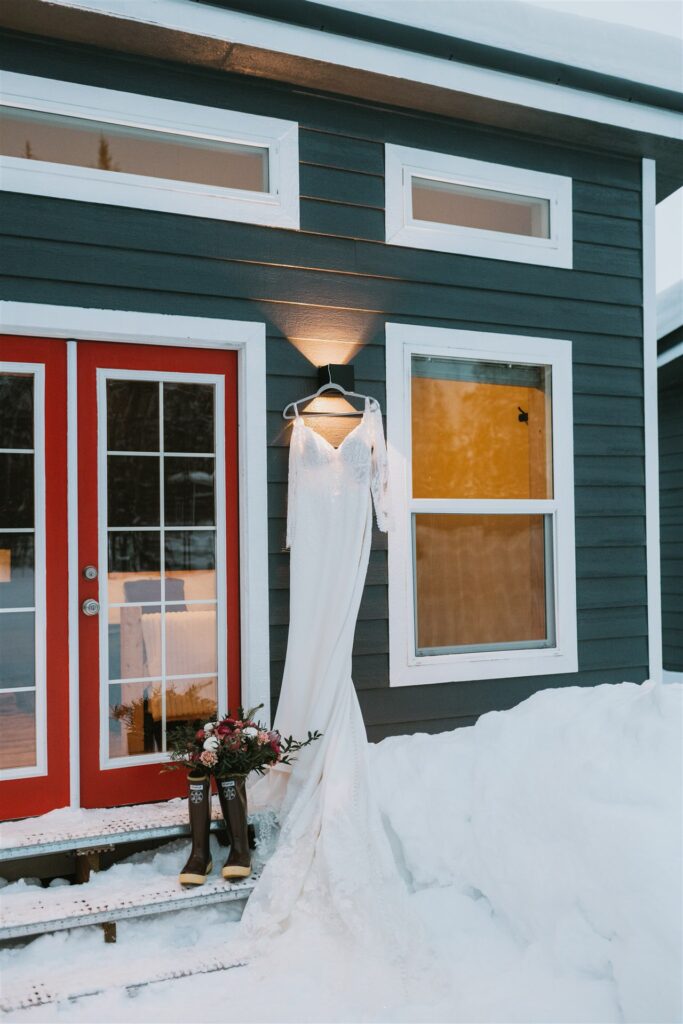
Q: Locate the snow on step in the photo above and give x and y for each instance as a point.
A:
(22, 990)
(67, 829)
(35, 911)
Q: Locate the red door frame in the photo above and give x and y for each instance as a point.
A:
(37, 794)
(140, 784)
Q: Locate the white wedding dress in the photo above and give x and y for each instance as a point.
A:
(333, 859)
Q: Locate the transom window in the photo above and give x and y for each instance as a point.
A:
(481, 563)
(97, 145)
(453, 204)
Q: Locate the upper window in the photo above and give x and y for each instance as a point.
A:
(452, 204)
(482, 559)
(78, 142)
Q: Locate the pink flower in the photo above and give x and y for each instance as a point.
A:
(208, 758)
(200, 734)
(262, 737)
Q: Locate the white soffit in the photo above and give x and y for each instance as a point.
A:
(577, 41)
(670, 309)
(327, 49)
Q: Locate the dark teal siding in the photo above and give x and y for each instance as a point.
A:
(336, 279)
(671, 504)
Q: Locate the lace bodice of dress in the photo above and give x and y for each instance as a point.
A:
(360, 459)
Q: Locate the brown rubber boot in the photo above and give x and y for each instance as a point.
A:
(199, 863)
(233, 800)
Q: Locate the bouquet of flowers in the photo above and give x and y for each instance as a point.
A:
(233, 746)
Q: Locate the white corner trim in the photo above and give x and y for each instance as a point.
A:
(328, 49)
(405, 667)
(402, 164)
(650, 408)
(279, 139)
(249, 341)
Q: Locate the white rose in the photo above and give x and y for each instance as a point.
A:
(208, 727)
(211, 743)
(250, 731)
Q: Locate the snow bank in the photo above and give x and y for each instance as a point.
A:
(565, 815)
(543, 847)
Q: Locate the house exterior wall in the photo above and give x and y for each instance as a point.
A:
(336, 282)
(671, 502)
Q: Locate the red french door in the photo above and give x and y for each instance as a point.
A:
(158, 559)
(34, 665)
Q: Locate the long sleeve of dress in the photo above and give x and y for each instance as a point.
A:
(379, 478)
(292, 489)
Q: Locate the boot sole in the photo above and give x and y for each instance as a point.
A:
(235, 872)
(189, 879)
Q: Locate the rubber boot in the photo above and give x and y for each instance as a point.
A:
(232, 795)
(199, 863)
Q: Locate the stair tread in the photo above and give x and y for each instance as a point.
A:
(34, 910)
(68, 829)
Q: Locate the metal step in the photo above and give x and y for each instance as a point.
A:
(67, 830)
(35, 911)
(22, 990)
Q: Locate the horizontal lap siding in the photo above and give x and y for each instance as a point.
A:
(325, 294)
(671, 511)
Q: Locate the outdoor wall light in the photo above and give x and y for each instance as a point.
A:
(337, 373)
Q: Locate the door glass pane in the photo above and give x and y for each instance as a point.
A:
(188, 418)
(17, 649)
(189, 491)
(482, 582)
(16, 570)
(16, 410)
(133, 490)
(190, 556)
(80, 142)
(16, 490)
(132, 416)
(468, 206)
(189, 701)
(190, 640)
(134, 556)
(134, 642)
(135, 719)
(17, 729)
(161, 584)
(480, 429)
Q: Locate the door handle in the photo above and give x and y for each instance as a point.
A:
(90, 606)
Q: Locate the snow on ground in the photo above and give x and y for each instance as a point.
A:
(543, 850)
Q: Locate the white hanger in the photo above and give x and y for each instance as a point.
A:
(328, 386)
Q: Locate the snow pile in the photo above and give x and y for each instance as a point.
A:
(565, 815)
(543, 848)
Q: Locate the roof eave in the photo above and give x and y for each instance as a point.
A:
(229, 41)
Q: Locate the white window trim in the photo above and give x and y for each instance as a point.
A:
(248, 339)
(405, 668)
(39, 768)
(220, 602)
(402, 164)
(277, 208)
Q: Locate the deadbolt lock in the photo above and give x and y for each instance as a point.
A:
(90, 606)
(90, 572)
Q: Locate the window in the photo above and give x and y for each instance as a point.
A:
(96, 145)
(481, 561)
(22, 571)
(452, 204)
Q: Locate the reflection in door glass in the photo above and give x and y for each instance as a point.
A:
(17, 570)
(161, 582)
